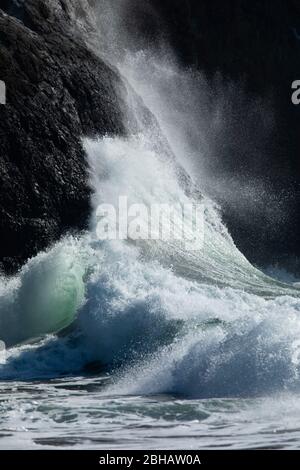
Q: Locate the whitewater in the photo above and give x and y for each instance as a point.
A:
(147, 344)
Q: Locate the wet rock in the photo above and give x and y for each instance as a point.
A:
(57, 92)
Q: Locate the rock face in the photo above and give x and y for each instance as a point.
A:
(57, 92)
(255, 45)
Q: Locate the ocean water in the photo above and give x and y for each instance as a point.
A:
(72, 413)
(146, 343)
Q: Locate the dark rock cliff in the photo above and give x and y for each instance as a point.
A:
(57, 92)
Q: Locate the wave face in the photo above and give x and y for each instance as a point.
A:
(43, 298)
(156, 316)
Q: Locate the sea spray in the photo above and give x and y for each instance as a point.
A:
(154, 315)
